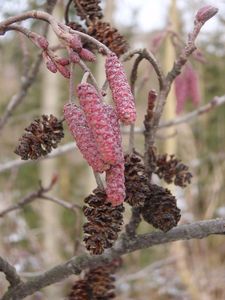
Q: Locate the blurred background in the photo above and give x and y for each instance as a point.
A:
(44, 234)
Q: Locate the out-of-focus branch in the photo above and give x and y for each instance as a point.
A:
(56, 152)
(27, 81)
(10, 273)
(196, 230)
(215, 102)
(134, 222)
(40, 194)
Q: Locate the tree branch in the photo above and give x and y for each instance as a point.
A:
(10, 273)
(196, 230)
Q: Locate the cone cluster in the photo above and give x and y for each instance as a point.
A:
(97, 284)
(104, 222)
(109, 36)
(172, 170)
(157, 205)
(40, 137)
(88, 9)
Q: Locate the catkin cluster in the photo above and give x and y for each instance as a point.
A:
(95, 127)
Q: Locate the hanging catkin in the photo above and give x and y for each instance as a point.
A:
(99, 123)
(121, 92)
(83, 136)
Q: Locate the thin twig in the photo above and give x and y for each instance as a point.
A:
(66, 16)
(40, 194)
(72, 78)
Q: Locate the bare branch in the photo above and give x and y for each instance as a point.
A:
(10, 273)
(215, 102)
(152, 60)
(56, 152)
(196, 230)
(40, 194)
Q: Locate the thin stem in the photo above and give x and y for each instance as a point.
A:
(71, 84)
(66, 16)
(99, 181)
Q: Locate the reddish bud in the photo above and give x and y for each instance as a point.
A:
(99, 123)
(63, 70)
(51, 66)
(63, 61)
(42, 42)
(121, 92)
(205, 13)
(115, 188)
(87, 55)
(83, 136)
(75, 42)
(74, 57)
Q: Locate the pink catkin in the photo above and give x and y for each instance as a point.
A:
(83, 136)
(99, 123)
(120, 88)
(87, 55)
(181, 91)
(187, 86)
(193, 85)
(115, 188)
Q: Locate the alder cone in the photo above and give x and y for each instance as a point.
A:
(172, 170)
(83, 136)
(108, 36)
(136, 181)
(88, 9)
(160, 208)
(41, 136)
(121, 92)
(80, 291)
(104, 222)
(97, 283)
(99, 123)
(101, 282)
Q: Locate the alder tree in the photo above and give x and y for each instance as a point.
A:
(98, 129)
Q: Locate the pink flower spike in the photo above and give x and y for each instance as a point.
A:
(87, 55)
(76, 121)
(115, 188)
(99, 123)
(205, 13)
(121, 92)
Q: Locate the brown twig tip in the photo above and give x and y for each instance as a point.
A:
(205, 13)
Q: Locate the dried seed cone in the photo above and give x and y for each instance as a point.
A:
(80, 291)
(136, 181)
(109, 36)
(104, 222)
(97, 284)
(101, 282)
(120, 88)
(83, 136)
(173, 170)
(160, 208)
(99, 123)
(115, 188)
(88, 9)
(41, 136)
